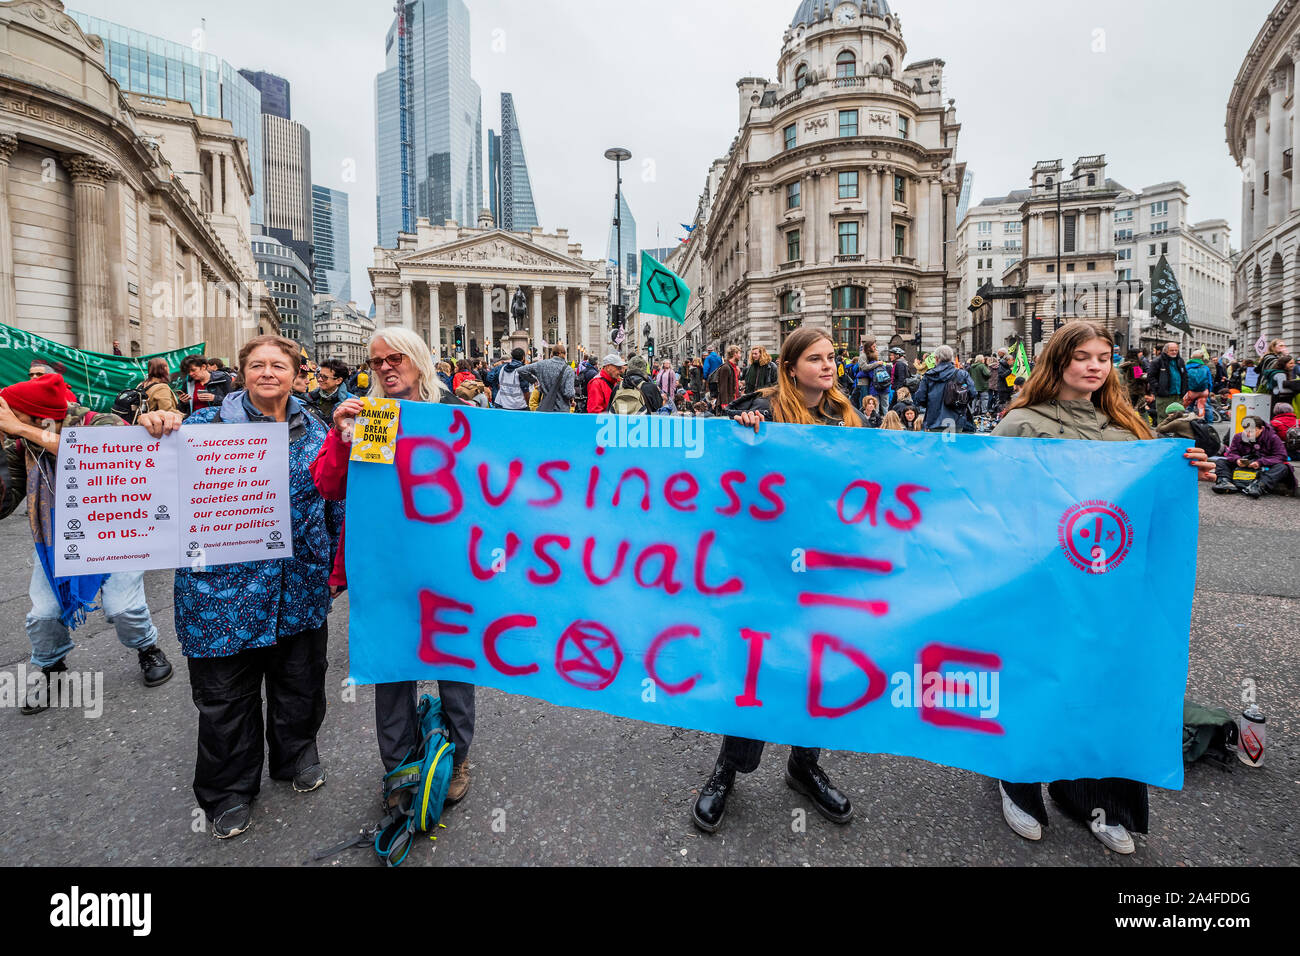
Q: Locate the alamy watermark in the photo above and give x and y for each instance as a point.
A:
(651, 431)
(70, 690)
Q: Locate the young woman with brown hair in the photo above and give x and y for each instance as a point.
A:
(1076, 393)
(806, 393)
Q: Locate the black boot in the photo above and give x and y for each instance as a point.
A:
(39, 700)
(711, 804)
(157, 669)
(1224, 487)
(811, 781)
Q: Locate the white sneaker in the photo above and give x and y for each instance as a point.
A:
(1114, 838)
(1023, 824)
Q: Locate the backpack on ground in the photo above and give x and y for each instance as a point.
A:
(1207, 732)
(628, 400)
(958, 393)
(1207, 439)
(1293, 444)
(129, 404)
(419, 785)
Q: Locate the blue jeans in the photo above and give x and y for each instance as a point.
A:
(124, 606)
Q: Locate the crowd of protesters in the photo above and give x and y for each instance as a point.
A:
(262, 626)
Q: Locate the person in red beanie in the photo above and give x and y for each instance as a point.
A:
(32, 415)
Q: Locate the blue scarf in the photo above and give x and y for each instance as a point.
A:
(76, 595)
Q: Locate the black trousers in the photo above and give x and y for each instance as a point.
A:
(1272, 481)
(397, 722)
(742, 754)
(1122, 801)
(228, 693)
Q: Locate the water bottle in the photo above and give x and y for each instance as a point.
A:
(1250, 745)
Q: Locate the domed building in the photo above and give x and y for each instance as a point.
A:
(1263, 133)
(838, 200)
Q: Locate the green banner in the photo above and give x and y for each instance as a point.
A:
(95, 379)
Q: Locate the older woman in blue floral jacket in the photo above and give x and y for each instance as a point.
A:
(240, 625)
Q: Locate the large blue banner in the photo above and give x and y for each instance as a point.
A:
(1000, 605)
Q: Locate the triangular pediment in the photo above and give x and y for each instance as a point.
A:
(497, 250)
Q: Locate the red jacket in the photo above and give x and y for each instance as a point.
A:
(330, 474)
(600, 393)
(1283, 424)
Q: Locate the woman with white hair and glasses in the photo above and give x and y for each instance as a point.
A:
(402, 368)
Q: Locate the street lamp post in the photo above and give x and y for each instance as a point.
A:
(618, 155)
(1060, 229)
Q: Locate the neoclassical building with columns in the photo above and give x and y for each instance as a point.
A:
(1263, 136)
(101, 238)
(443, 277)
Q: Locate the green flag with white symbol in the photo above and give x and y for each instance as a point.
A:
(662, 291)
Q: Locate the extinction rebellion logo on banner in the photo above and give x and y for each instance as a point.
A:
(1095, 536)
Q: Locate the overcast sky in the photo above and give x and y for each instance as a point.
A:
(1144, 81)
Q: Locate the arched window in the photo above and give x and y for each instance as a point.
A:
(1050, 182)
(888, 64)
(846, 65)
(1092, 179)
(801, 76)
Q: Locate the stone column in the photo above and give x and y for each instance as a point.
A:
(562, 309)
(487, 321)
(536, 331)
(94, 318)
(584, 319)
(462, 311)
(435, 321)
(408, 305)
(937, 247)
(8, 306)
(921, 216)
(1278, 141)
(1261, 105)
(886, 214)
(871, 188)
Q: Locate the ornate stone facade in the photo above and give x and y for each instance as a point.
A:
(100, 239)
(1263, 134)
(838, 202)
(442, 277)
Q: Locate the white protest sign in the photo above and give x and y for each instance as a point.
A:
(115, 504)
(234, 484)
(207, 495)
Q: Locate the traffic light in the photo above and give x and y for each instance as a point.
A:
(618, 315)
(1038, 331)
(460, 338)
(650, 347)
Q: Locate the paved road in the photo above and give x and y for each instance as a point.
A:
(557, 786)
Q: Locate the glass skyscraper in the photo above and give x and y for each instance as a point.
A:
(275, 92)
(443, 142)
(512, 189)
(629, 260)
(143, 63)
(329, 210)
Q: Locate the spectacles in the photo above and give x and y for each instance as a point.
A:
(395, 360)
